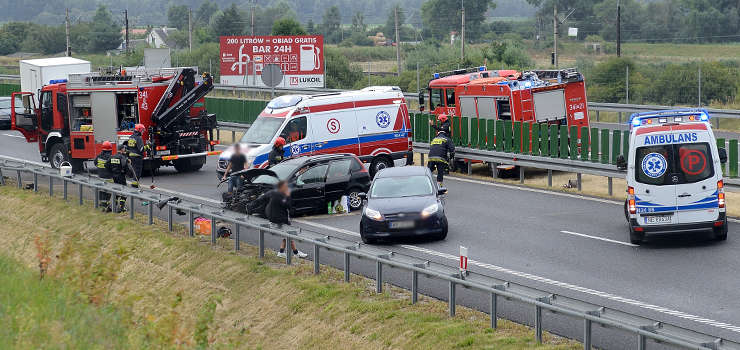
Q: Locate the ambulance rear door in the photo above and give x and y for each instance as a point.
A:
(696, 164)
(652, 161)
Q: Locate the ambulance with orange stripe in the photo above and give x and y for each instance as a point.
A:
(372, 123)
(674, 175)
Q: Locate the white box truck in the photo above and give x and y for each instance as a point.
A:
(39, 72)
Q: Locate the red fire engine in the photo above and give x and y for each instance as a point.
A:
(76, 116)
(544, 96)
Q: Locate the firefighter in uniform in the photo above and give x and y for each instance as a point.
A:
(277, 154)
(136, 148)
(104, 174)
(117, 166)
(444, 124)
(438, 150)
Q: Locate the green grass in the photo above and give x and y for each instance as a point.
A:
(44, 313)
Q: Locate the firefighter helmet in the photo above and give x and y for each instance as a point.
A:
(442, 118)
(279, 142)
(107, 146)
(140, 127)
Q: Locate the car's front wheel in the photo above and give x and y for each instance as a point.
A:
(442, 235)
(353, 197)
(366, 240)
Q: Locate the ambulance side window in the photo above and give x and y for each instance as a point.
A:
(295, 130)
(436, 99)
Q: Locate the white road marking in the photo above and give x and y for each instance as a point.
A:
(552, 282)
(327, 227)
(600, 238)
(18, 136)
(536, 190)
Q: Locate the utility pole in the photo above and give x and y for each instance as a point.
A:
(190, 28)
(125, 20)
(398, 44)
(253, 2)
(555, 23)
(619, 30)
(462, 35)
(66, 24)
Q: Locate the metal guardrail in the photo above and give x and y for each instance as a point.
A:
(544, 162)
(643, 328)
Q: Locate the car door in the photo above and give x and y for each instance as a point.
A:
(655, 193)
(308, 189)
(696, 191)
(23, 115)
(337, 179)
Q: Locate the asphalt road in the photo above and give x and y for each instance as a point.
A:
(567, 244)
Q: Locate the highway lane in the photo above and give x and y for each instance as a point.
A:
(518, 234)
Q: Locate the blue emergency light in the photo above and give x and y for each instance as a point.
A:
(528, 84)
(436, 75)
(703, 117)
(635, 121)
(57, 81)
(481, 68)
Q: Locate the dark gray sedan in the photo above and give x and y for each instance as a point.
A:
(403, 202)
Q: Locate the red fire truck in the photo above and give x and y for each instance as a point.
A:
(78, 114)
(544, 96)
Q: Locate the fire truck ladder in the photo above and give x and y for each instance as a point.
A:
(183, 83)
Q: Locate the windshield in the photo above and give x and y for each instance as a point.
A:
(281, 170)
(436, 98)
(5, 103)
(674, 164)
(262, 130)
(284, 101)
(393, 187)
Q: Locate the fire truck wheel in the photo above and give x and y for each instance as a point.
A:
(58, 155)
(461, 166)
(379, 163)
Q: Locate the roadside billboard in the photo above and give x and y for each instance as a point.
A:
(301, 59)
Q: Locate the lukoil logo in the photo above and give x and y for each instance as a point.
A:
(293, 80)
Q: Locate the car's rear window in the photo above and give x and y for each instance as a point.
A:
(674, 164)
(394, 187)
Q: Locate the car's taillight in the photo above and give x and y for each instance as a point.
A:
(721, 193)
(631, 201)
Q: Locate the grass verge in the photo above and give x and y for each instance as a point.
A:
(167, 282)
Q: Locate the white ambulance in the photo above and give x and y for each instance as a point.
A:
(372, 123)
(674, 175)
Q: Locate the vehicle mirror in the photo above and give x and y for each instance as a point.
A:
(621, 162)
(441, 191)
(722, 155)
(362, 195)
(421, 101)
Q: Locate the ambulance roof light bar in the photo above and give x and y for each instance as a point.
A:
(679, 115)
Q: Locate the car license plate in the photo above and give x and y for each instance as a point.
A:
(163, 152)
(401, 224)
(658, 219)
